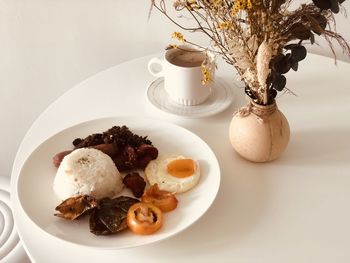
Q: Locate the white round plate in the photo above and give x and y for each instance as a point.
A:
(220, 98)
(38, 201)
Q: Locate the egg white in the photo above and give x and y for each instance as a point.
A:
(156, 173)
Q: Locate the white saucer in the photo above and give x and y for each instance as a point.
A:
(220, 98)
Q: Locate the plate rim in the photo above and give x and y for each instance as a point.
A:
(117, 118)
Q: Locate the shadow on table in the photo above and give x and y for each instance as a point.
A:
(318, 147)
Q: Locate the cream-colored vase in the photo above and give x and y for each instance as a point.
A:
(259, 133)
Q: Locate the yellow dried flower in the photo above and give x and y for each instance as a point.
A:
(241, 5)
(192, 5)
(217, 3)
(207, 76)
(213, 3)
(249, 4)
(178, 36)
(170, 46)
(224, 25)
(234, 11)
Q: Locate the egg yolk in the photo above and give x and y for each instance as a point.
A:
(181, 168)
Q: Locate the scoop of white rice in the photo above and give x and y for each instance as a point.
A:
(87, 171)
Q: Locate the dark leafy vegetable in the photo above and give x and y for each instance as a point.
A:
(110, 216)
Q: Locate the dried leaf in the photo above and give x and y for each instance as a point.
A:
(298, 53)
(300, 31)
(334, 6)
(295, 66)
(253, 44)
(322, 4)
(243, 63)
(263, 59)
(279, 82)
(312, 39)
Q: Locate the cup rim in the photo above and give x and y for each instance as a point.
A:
(185, 48)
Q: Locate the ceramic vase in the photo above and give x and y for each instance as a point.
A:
(259, 133)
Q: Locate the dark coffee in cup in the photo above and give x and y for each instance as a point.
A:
(186, 58)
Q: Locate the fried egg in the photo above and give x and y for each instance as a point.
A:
(173, 174)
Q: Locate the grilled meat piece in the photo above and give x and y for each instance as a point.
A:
(74, 207)
(135, 183)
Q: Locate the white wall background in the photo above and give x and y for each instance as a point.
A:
(48, 46)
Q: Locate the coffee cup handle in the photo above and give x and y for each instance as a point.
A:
(152, 70)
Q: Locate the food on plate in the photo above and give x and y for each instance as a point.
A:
(129, 151)
(88, 179)
(87, 171)
(57, 159)
(111, 215)
(119, 135)
(74, 207)
(164, 200)
(107, 216)
(108, 149)
(135, 183)
(173, 174)
(144, 219)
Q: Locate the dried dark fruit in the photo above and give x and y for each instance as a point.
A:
(74, 207)
(135, 183)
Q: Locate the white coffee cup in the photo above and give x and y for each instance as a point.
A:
(182, 72)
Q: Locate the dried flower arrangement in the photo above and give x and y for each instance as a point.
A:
(262, 39)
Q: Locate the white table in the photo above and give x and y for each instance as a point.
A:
(295, 209)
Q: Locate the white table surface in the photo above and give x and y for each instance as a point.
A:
(295, 209)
